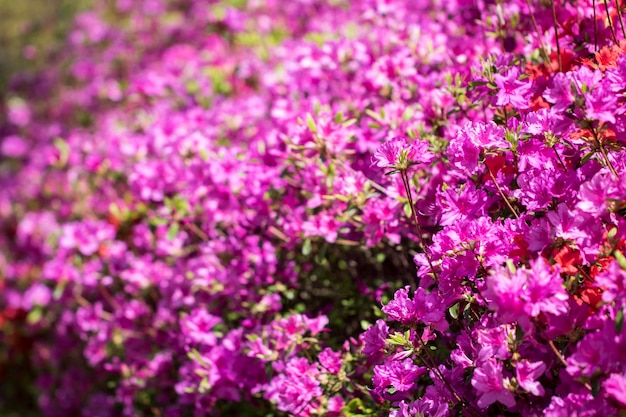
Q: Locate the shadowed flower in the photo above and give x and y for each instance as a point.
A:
(615, 388)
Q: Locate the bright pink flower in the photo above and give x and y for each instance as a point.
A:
(615, 387)
(489, 382)
(375, 339)
(511, 90)
(397, 153)
(401, 375)
(401, 308)
(330, 360)
(527, 374)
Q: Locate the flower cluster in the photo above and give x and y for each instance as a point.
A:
(307, 208)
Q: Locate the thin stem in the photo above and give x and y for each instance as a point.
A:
(595, 26)
(430, 363)
(556, 34)
(600, 146)
(432, 367)
(562, 360)
(619, 17)
(542, 47)
(559, 158)
(608, 16)
(506, 200)
(584, 273)
(436, 370)
(407, 188)
(107, 296)
(606, 159)
(557, 353)
(197, 231)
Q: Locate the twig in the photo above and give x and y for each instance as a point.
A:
(506, 200)
(608, 16)
(557, 353)
(405, 181)
(556, 35)
(559, 158)
(542, 47)
(619, 17)
(600, 147)
(595, 26)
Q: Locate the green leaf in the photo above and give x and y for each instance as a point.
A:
(172, 231)
(586, 158)
(408, 114)
(371, 113)
(35, 315)
(619, 321)
(349, 122)
(306, 247)
(454, 311)
(474, 84)
(595, 387)
(397, 339)
(320, 256)
(519, 333)
(154, 221)
(620, 258)
(510, 266)
(353, 406)
(407, 210)
(59, 290)
(311, 123)
(64, 151)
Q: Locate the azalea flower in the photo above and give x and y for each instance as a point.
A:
(398, 154)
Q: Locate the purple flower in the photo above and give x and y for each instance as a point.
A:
(559, 92)
(400, 375)
(615, 387)
(427, 308)
(85, 236)
(613, 280)
(197, 327)
(297, 390)
(38, 294)
(544, 290)
(458, 206)
(473, 139)
(601, 104)
(489, 383)
(527, 374)
(398, 154)
(511, 90)
(527, 292)
(375, 339)
(13, 147)
(401, 308)
(330, 360)
(430, 309)
(494, 343)
(504, 292)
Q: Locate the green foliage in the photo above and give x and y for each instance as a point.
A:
(43, 24)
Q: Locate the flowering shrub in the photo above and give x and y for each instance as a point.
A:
(384, 207)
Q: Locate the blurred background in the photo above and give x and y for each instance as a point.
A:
(30, 32)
